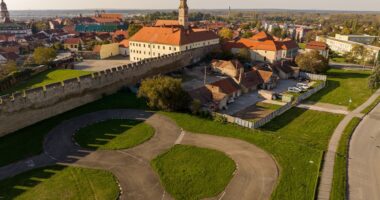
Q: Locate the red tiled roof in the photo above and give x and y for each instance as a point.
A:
(261, 36)
(172, 36)
(227, 86)
(121, 32)
(72, 41)
(232, 64)
(251, 79)
(166, 23)
(317, 45)
(265, 75)
(124, 43)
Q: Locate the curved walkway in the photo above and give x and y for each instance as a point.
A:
(255, 177)
(325, 185)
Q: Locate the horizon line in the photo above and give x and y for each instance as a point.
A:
(165, 9)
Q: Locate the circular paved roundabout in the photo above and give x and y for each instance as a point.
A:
(255, 176)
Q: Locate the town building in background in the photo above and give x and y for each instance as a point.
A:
(343, 44)
(264, 47)
(168, 36)
(321, 47)
(7, 26)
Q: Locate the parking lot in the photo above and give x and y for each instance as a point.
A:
(99, 65)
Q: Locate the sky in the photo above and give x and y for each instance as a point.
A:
(352, 5)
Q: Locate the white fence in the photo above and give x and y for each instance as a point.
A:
(316, 77)
(283, 109)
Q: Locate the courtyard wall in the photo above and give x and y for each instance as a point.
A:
(28, 107)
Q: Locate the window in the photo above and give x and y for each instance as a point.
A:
(158, 46)
(170, 48)
(163, 47)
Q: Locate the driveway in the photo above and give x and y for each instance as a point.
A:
(364, 159)
(255, 177)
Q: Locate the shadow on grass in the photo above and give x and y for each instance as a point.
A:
(28, 141)
(16, 186)
(283, 120)
(100, 134)
(331, 85)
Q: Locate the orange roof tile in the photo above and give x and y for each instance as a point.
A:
(166, 23)
(172, 36)
(317, 45)
(265, 75)
(124, 43)
(72, 41)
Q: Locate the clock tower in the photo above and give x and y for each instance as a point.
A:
(183, 13)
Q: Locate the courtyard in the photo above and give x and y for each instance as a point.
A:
(100, 65)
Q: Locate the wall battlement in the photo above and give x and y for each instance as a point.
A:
(25, 108)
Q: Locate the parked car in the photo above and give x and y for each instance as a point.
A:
(304, 85)
(294, 89)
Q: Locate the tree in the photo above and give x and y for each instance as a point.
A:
(244, 54)
(7, 68)
(312, 62)
(310, 36)
(164, 93)
(374, 79)
(247, 34)
(133, 29)
(226, 34)
(43, 55)
(276, 31)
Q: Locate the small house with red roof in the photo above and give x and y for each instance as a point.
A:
(321, 47)
(265, 48)
(73, 44)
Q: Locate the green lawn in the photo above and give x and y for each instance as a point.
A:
(114, 134)
(267, 106)
(343, 85)
(296, 139)
(28, 141)
(339, 59)
(59, 182)
(47, 77)
(372, 106)
(339, 186)
(194, 173)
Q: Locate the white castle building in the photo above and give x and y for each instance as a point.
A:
(169, 36)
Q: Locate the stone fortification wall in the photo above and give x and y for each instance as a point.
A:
(25, 108)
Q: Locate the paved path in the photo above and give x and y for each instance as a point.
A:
(329, 159)
(323, 107)
(364, 159)
(255, 178)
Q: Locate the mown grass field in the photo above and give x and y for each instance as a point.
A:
(343, 85)
(114, 134)
(339, 185)
(28, 141)
(59, 182)
(296, 139)
(189, 172)
(47, 77)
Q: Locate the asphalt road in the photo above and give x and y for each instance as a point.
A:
(364, 159)
(255, 177)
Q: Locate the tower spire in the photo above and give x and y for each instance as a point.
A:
(183, 13)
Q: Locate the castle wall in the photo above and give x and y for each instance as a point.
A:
(26, 108)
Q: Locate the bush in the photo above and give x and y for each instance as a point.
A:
(312, 62)
(220, 119)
